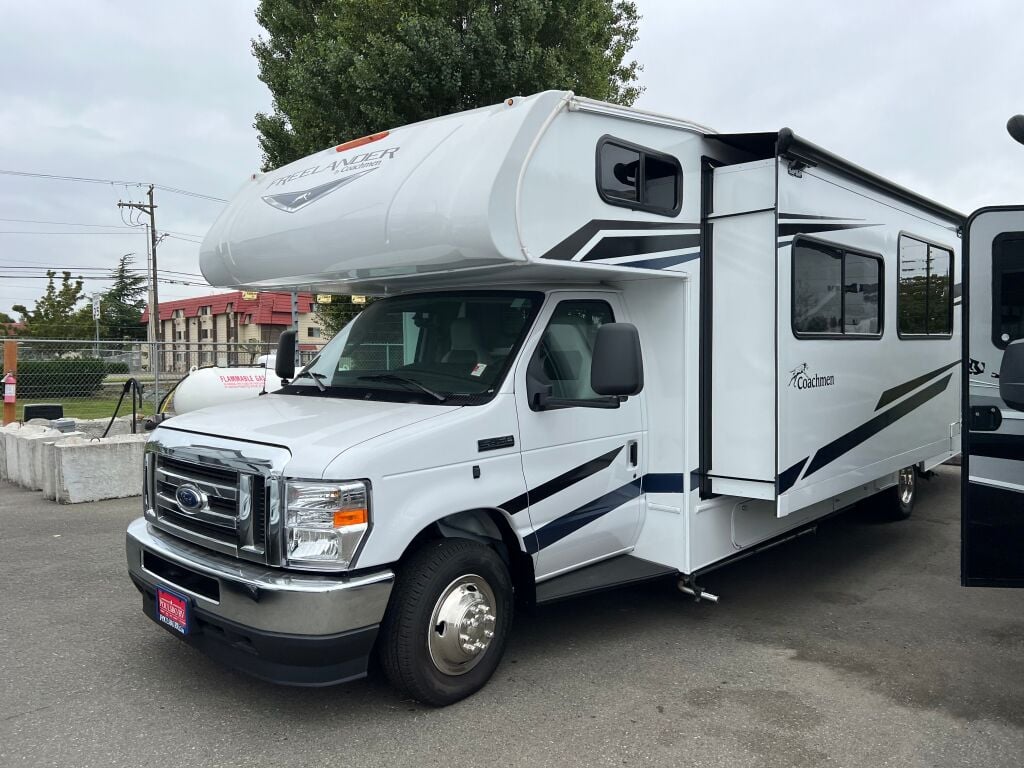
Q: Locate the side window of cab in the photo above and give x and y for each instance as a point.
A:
(565, 354)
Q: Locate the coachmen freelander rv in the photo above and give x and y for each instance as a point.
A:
(611, 346)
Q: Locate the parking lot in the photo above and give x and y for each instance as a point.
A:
(853, 647)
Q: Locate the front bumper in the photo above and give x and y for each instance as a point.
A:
(282, 626)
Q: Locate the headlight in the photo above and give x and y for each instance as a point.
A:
(325, 523)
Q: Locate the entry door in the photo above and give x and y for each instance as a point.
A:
(582, 465)
(993, 445)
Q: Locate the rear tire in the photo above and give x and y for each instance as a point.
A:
(897, 503)
(447, 622)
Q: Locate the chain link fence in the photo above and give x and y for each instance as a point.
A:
(88, 377)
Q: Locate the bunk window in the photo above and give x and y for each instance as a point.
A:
(1007, 289)
(638, 178)
(836, 292)
(925, 298)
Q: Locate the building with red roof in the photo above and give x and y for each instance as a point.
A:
(200, 324)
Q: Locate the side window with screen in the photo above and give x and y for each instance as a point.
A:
(638, 178)
(1008, 289)
(836, 292)
(924, 302)
(565, 353)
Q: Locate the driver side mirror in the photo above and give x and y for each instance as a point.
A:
(1011, 376)
(284, 365)
(618, 367)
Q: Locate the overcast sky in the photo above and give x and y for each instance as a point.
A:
(166, 92)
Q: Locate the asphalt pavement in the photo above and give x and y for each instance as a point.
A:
(853, 647)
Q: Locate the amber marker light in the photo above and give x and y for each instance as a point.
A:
(343, 517)
(361, 142)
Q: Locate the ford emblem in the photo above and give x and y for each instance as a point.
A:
(190, 499)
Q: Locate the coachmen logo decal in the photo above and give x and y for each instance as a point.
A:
(344, 170)
(801, 379)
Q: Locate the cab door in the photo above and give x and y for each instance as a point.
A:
(582, 464)
(993, 445)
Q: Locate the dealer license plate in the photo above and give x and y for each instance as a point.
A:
(174, 611)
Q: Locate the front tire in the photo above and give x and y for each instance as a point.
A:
(448, 620)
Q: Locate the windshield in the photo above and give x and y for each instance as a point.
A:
(433, 347)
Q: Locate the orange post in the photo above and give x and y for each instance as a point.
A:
(10, 366)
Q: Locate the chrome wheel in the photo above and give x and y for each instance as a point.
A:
(906, 486)
(462, 625)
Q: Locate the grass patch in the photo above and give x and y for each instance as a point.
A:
(89, 407)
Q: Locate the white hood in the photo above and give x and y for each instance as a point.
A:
(316, 430)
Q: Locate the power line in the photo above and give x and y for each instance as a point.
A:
(101, 226)
(111, 182)
(38, 232)
(88, 271)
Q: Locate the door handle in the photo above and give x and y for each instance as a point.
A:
(632, 453)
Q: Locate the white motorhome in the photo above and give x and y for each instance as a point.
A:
(610, 346)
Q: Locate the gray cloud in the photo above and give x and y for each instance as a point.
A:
(916, 91)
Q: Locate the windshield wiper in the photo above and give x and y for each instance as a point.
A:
(316, 377)
(405, 380)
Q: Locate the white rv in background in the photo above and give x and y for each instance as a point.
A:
(609, 346)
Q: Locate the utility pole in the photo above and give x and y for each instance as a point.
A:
(154, 298)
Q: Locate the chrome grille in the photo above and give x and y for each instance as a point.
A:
(231, 517)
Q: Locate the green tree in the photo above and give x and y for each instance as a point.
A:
(340, 69)
(5, 318)
(56, 314)
(121, 306)
(336, 315)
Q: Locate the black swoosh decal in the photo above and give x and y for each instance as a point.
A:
(785, 230)
(895, 393)
(787, 479)
(562, 526)
(813, 216)
(638, 245)
(294, 201)
(571, 245)
(662, 263)
(869, 429)
(557, 484)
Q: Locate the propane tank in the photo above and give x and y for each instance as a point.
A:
(204, 387)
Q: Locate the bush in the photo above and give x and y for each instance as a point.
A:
(41, 379)
(117, 367)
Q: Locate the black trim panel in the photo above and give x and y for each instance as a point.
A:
(996, 445)
(895, 393)
(664, 482)
(495, 443)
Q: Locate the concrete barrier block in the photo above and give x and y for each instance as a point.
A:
(12, 443)
(30, 456)
(4, 431)
(43, 472)
(90, 470)
(96, 427)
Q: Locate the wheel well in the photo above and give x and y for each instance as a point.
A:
(488, 526)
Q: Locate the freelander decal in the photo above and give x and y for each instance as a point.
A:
(343, 171)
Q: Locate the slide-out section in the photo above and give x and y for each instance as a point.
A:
(740, 229)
